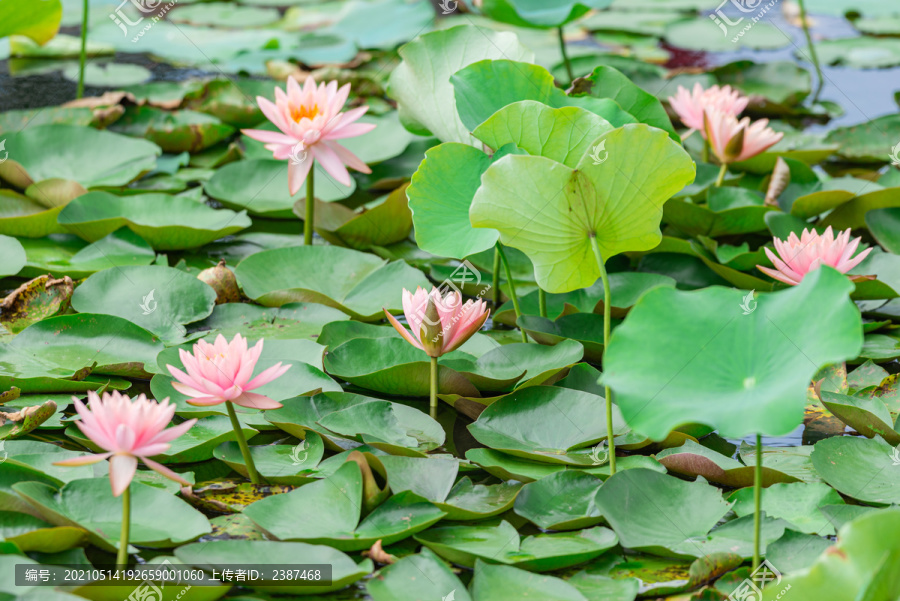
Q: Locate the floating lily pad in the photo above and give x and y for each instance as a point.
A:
(13, 256)
(704, 34)
(868, 416)
(391, 427)
(692, 459)
(336, 520)
(561, 501)
(290, 321)
(585, 328)
(507, 583)
(797, 503)
(730, 211)
(402, 581)
(24, 217)
(224, 14)
(29, 533)
(860, 52)
(859, 468)
(379, 223)
(277, 464)
(306, 274)
(173, 131)
(66, 255)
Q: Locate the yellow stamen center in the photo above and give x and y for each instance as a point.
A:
(299, 112)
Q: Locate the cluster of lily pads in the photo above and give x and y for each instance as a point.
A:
(574, 327)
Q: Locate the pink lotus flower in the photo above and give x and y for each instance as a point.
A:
(799, 256)
(690, 105)
(439, 324)
(732, 140)
(221, 372)
(310, 120)
(127, 430)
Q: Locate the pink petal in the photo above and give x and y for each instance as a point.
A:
(83, 460)
(251, 400)
(121, 472)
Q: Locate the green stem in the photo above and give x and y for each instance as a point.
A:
(812, 51)
(722, 171)
(242, 443)
(83, 57)
(607, 318)
(432, 399)
(495, 290)
(122, 554)
(310, 208)
(705, 155)
(757, 500)
(565, 55)
(512, 288)
(542, 302)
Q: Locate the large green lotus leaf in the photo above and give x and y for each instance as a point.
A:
(116, 160)
(336, 520)
(29, 533)
(535, 13)
(157, 298)
(402, 581)
(547, 424)
(506, 583)
(344, 570)
(391, 427)
(534, 201)
(166, 222)
(197, 444)
(859, 468)
(440, 195)
(13, 254)
(485, 87)
(658, 513)
(260, 186)
(562, 134)
(561, 501)
(279, 463)
(692, 459)
(861, 565)
(117, 346)
(38, 21)
(500, 543)
(25, 217)
(67, 255)
(696, 357)
(306, 274)
(290, 321)
(797, 503)
(89, 504)
(421, 82)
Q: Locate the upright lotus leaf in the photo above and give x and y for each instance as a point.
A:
(115, 160)
(307, 274)
(166, 222)
(697, 357)
(860, 565)
(89, 505)
(13, 254)
(562, 134)
(421, 82)
(554, 214)
(117, 346)
(485, 87)
(535, 13)
(344, 569)
(402, 581)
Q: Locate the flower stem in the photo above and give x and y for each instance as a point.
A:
(122, 554)
(83, 56)
(495, 290)
(542, 302)
(512, 288)
(432, 399)
(812, 52)
(757, 501)
(607, 318)
(310, 208)
(705, 153)
(722, 171)
(242, 443)
(565, 55)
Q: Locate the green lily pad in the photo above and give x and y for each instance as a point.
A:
(528, 13)
(89, 504)
(336, 520)
(500, 543)
(165, 222)
(656, 394)
(260, 186)
(868, 142)
(277, 464)
(382, 222)
(585, 328)
(860, 468)
(868, 416)
(429, 108)
(797, 503)
(402, 581)
(116, 160)
(29, 533)
(561, 501)
(67, 255)
(730, 211)
(306, 274)
(290, 321)
(391, 427)
(692, 459)
(514, 192)
(14, 257)
(173, 131)
(773, 87)
(704, 34)
(859, 52)
(383, 24)
(884, 225)
(25, 217)
(547, 424)
(158, 299)
(344, 570)
(507, 583)
(224, 14)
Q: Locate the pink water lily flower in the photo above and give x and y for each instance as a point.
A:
(222, 372)
(690, 105)
(450, 324)
(127, 430)
(311, 120)
(732, 140)
(798, 256)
